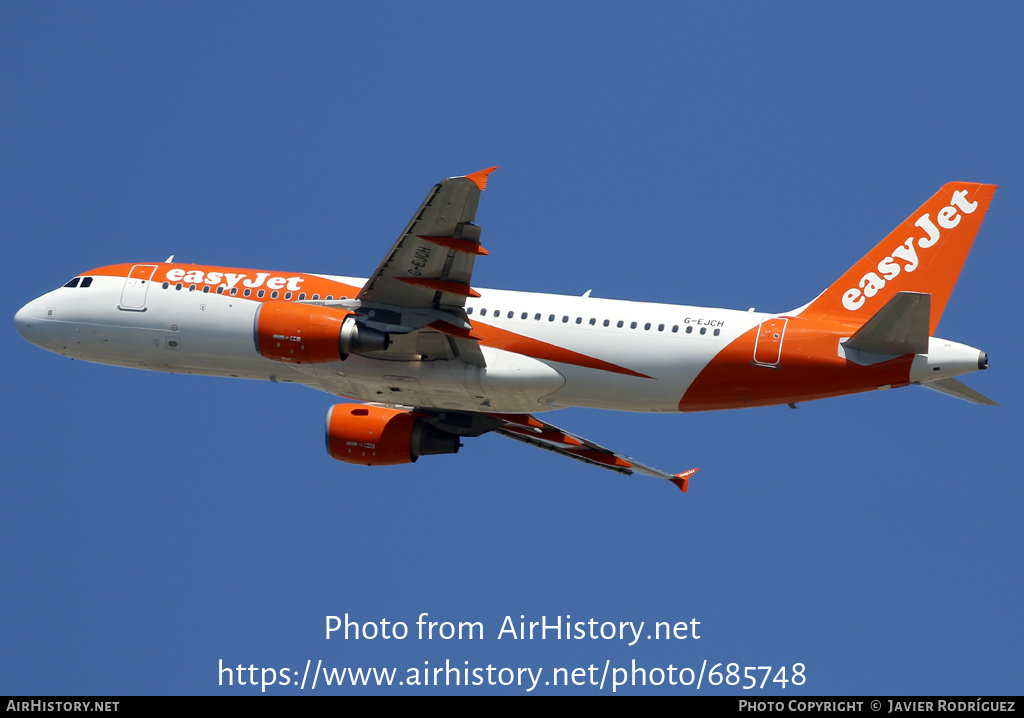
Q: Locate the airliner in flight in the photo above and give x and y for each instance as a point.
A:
(433, 360)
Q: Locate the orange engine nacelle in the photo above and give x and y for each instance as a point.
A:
(311, 334)
(375, 436)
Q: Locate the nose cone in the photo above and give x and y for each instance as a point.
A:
(23, 321)
(30, 320)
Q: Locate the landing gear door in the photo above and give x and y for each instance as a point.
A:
(133, 296)
(768, 346)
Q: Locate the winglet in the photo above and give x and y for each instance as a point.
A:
(683, 480)
(480, 178)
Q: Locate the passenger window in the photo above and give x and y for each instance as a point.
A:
(632, 325)
(287, 295)
(247, 292)
(302, 295)
(178, 286)
(593, 321)
(619, 325)
(220, 290)
(524, 315)
(717, 332)
(206, 289)
(234, 291)
(330, 297)
(260, 294)
(647, 327)
(551, 317)
(73, 283)
(511, 314)
(315, 296)
(273, 295)
(689, 330)
(469, 310)
(703, 330)
(675, 328)
(579, 320)
(536, 317)
(565, 319)
(166, 285)
(661, 327)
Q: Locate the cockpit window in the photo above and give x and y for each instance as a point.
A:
(73, 283)
(86, 281)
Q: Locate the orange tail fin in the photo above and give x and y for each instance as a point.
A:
(924, 254)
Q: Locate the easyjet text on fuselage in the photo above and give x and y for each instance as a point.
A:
(232, 279)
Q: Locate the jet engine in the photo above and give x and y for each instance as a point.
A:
(311, 334)
(376, 436)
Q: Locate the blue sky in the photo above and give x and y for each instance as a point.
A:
(737, 155)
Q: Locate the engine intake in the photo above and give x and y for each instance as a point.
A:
(311, 334)
(377, 436)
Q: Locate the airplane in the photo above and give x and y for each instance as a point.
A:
(432, 360)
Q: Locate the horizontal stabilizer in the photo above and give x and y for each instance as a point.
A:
(900, 327)
(961, 391)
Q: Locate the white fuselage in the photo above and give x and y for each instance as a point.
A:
(660, 348)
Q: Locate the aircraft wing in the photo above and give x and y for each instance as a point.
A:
(530, 430)
(429, 269)
(431, 263)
